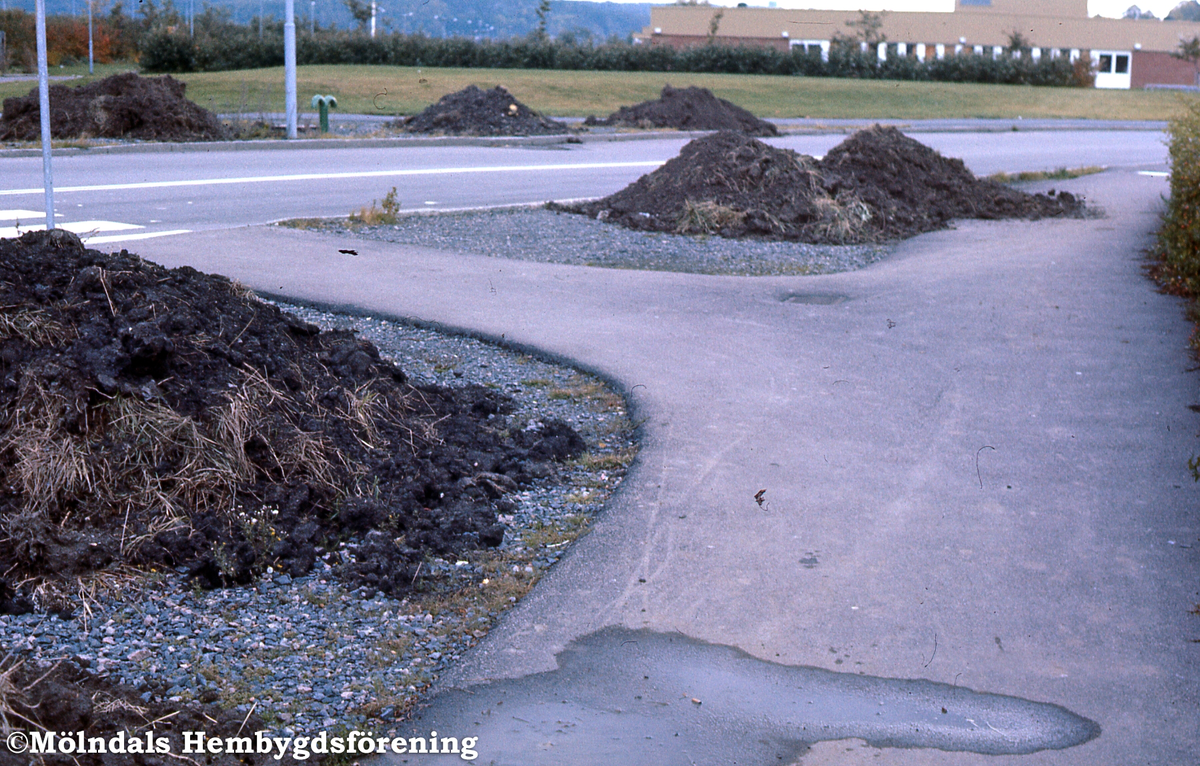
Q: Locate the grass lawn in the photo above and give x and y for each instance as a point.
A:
(404, 90)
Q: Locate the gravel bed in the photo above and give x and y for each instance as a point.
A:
(549, 237)
(309, 653)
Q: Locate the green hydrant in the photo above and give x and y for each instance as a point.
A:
(323, 103)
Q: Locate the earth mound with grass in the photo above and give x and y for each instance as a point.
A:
(68, 698)
(910, 188)
(690, 108)
(124, 105)
(476, 112)
(878, 185)
(166, 418)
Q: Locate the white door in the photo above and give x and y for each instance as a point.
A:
(1113, 69)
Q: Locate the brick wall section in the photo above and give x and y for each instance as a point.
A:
(1158, 68)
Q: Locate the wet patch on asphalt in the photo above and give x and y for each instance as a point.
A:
(639, 697)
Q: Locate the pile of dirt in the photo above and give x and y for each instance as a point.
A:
(910, 188)
(875, 186)
(475, 112)
(67, 697)
(687, 109)
(121, 106)
(168, 418)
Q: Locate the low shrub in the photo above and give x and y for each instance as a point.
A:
(1177, 266)
(1178, 250)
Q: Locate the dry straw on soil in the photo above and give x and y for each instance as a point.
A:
(169, 419)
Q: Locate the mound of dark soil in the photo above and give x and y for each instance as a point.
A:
(121, 106)
(687, 109)
(877, 185)
(68, 698)
(162, 417)
(910, 188)
(475, 112)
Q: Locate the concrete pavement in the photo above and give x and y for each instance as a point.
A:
(974, 456)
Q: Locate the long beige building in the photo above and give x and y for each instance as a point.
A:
(1126, 53)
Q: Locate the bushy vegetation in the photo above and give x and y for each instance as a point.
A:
(114, 38)
(221, 45)
(161, 41)
(1179, 238)
(1178, 249)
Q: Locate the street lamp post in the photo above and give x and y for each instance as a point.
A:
(44, 110)
(289, 65)
(91, 59)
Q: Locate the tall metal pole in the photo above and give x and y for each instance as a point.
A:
(372, 19)
(289, 65)
(91, 61)
(44, 110)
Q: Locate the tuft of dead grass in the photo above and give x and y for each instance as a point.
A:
(12, 695)
(1059, 174)
(841, 219)
(35, 327)
(243, 291)
(147, 464)
(707, 217)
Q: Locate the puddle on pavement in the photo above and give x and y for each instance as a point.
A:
(814, 299)
(639, 698)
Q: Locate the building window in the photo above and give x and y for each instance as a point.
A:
(1122, 64)
(815, 48)
(974, 2)
(1105, 66)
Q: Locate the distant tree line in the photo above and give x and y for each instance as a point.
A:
(115, 37)
(219, 44)
(161, 40)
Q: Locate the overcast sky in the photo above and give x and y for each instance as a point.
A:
(1115, 8)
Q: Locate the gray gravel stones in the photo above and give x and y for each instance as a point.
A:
(542, 235)
(309, 653)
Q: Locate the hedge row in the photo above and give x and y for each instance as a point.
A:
(1179, 237)
(1178, 248)
(225, 46)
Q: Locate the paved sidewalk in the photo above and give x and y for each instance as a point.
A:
(974, 456)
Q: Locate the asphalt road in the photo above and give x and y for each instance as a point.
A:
(221, 188)
(974, 456)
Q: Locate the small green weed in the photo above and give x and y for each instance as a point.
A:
(380, 213)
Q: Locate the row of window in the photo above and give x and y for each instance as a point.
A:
(1107, 63)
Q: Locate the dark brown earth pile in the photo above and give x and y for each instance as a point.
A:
(475, 112)
(728, 184)
(910, 188)
(687, 109)
(67, 698)
(877, 185)
(121, 106)
(167, 418)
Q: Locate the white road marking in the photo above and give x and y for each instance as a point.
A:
(18, 215)
(131, 237)
(85, 229)
(322, 176)
(1154, 173)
